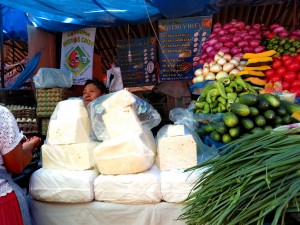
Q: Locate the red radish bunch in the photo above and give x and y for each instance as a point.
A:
(286, 69)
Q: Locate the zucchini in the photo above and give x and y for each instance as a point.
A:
(272, 99)
(240, 109)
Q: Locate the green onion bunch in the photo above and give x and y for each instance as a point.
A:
(254, 176)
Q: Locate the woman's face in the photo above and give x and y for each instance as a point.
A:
(90, 92)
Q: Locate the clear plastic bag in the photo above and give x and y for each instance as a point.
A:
(53, 78)
(183, 116)
(120, 113)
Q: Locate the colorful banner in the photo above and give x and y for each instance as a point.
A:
(13, 71)
(141, 68)
(180, 43)
(77, 52)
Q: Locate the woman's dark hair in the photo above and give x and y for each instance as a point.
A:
(98, 83)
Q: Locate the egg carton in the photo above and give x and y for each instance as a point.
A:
(52, 94)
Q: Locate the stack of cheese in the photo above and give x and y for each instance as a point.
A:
(67, 172)
(125, 159)
(176, 151)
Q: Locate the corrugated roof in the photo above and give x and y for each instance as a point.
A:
(286, 13)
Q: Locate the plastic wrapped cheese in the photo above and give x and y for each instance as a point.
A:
(71, 109)
(140, 188)
(126, 154)
(176, 148)
(176, 185)
(73, 131)
(118, 100)
(62, 185)
(122, 121)
(68, 157)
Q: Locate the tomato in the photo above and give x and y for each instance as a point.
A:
(288, 62)
(290, 76)
(296, 84)
(276, 64)
(275, 78)
(285, 56)
(285, 85)
(297, 58)
(281, 71)
(295, 66)
(298, 76)
(269, 73)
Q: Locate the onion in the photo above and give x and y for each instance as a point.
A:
(243, 43)
(205, 65)
(254, 43)
(224, 39)
(212, 35)
(273, 26)
(229, 44)
(221, 74)
(216, 30)
(228, 67)
(239, 56)
(205, 70)
(256, 27)
(257, 37)
(209, 60)
(240, 25)
(212, 53)
(296, 32)
(198, 79)
(209, 49)
(279, 29)
(234, 71)
(218, 45)
(203, 56)
(222, 32)
(201, 61)
(225, 50)
(247, 49)
(235, 62)
(236, 50)
(236, 38)
(283, 34)
(217, 25)
(233, 30)
(240, 67)
(198, 72)
(204, 47)
(227, 26)
(252, 32)
(217, 57)
(220, 53)
(227, 57)
(221, 61)
(243, 63)
(212, 41)
(216, 68)
(248, 38)
(210, 76)
(259, 49)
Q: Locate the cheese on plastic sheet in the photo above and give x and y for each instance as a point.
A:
(62, 185)
(140, 188)
(68, 157)
(122, 121)
(178, 152)
(118, 100)
(177, 184)
(71, 109)
(126, 154)
(69, 131)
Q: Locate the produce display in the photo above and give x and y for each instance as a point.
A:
(256, 175)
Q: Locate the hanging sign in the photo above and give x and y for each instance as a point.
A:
(13, 71)
(139, 69)
(77, 52)
(180, 43)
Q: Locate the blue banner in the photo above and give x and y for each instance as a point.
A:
(180, 45)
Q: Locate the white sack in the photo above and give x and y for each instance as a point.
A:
(62, 185)
(140, 188)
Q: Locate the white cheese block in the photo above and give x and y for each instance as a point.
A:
(126, 154)
(178, 152)
(140, 188)
(176, 185)
(118, 100)
(68, 157)
(73, 131)
(122, 121)
(71, 109)
(62, 185)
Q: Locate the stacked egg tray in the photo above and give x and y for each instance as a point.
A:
(25, 117)
(47, 99)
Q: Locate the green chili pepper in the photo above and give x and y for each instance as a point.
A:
(206, 108)
(212, 93)
(233, 85)
(221, 100)
(220, 87)
(241, 82)
(206, 89)
(222, 106)
(213, 104)
(250, 88)
(199, 105)
(232, 96)
(228, 89)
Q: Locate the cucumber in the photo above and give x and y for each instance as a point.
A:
(290, 106)
(240, 109)
(272, 99)
(230, 119)
(209, 128)
(281, 111)
(215, 136)
(234, 131)
(247, 123)
(260, 121)
(253, 111)
(255, 130)
(269, 114)
(248, 99)
(262, 104)
(287, 119)
(277, 120)
(226, 138)
(221, 128)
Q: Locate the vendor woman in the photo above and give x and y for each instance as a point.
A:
(92, 89)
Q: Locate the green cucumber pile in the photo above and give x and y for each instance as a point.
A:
(249, 114)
